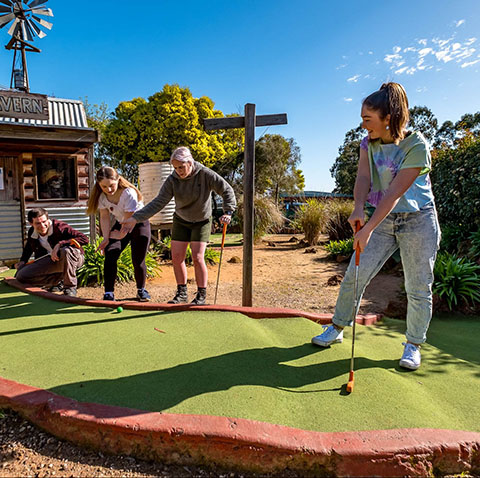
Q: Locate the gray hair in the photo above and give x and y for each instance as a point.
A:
(182, 154)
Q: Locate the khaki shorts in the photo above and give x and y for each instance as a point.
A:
(191, 231)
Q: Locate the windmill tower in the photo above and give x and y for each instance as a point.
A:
(26, 24)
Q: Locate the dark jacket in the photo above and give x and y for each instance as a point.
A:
(61, 233)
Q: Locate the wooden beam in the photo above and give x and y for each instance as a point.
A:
(239, 121)
(248, 204)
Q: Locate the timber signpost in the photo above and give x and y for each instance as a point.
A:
(249, 122)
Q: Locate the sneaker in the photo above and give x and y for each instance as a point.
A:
(56, 288)
(143, 295)
(108, 296)
(181, 296)
(330, 335)
(411, 357)
(200, 297)
(70, 291)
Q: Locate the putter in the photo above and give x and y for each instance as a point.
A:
(224, 231)
(351, 379)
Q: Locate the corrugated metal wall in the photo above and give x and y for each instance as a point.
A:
(10, 230)
(74, 216)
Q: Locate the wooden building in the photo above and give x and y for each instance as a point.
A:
(46, 160)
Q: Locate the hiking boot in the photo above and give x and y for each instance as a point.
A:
(70, 291)
(56, 288)
(181, 297)
(331, 335)
(201, 296)
(143, 295)
(108, 296)
(411, 357)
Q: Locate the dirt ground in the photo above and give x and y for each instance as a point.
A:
(285, 275)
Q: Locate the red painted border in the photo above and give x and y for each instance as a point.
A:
(240, 443)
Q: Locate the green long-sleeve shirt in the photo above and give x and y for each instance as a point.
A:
(192, 195)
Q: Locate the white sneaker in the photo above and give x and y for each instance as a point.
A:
(411, 357)
(330, 335)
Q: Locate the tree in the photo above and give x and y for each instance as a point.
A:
(276, 166)
(344, 169)
(469, 123)
(98, 118)
(445, 137)
(149, 130)
(423, 120)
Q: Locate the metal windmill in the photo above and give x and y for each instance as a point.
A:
(26, 25)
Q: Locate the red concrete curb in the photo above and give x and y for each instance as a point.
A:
(253, 312)
(245, 444)
(240, 443)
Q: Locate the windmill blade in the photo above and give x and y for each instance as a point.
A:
(37, 2)
(37, 30)
(14, 26)
(43, 22)
(43, 11)
(30, 34)
(6, 18)
(7, 2)
(5, 9)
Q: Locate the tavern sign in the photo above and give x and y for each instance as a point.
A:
(15, 104)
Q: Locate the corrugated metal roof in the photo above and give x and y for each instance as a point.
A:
(62, 113)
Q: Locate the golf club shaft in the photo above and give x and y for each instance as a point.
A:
(351, 379)
(224, 231)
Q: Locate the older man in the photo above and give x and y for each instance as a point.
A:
(58, 252)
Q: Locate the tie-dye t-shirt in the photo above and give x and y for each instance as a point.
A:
(387, 159)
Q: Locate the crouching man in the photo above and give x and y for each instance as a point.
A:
(58, 253)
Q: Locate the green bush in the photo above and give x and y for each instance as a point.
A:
(456, 185)
(92, 271)
(267, 217)
(474, 251)
(164, 249)
(343, 247)
(313, 217)
(338, 227)
(457, 280)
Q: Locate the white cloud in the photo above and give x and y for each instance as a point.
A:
(397, 49)
(423, 41)
(459, 22)
(469, 63)
(354, 78)
(339, 67)
(347, 100)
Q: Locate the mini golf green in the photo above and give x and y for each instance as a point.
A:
(221, 363)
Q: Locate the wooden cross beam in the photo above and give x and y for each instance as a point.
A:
(249, 122)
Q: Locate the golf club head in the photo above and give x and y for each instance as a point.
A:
(350, 385)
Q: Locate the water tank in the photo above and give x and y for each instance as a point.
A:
(151, 177)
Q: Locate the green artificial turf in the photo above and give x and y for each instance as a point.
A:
(231, 240)
(220, 363)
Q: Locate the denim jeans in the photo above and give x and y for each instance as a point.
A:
(417, 235)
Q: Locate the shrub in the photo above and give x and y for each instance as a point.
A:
(92, 271)
(267, 217)
(164, 249)
(343, 247)
(338, 227)
(457, 280)
(474, 251)
(456, 185)
(313, 217)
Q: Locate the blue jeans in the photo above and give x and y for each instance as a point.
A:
(417, 235)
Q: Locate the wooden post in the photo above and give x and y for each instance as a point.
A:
(249, 122)
(248, 204)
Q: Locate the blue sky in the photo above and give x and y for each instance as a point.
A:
(313, 60)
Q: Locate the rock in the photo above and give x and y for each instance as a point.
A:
(341, 258)
(310, 250)
(334, 280)
(293, 239)
(235, 260)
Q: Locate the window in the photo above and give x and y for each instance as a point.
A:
(56, 178)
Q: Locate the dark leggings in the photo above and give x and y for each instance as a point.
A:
(140, 240)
